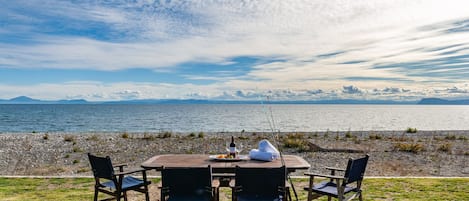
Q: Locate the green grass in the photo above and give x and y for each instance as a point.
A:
(46, 189)
(411, 130)
(15, 189)
(403, 189)
(417, 189)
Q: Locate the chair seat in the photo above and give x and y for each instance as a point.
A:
(329, 188)
(127, 183)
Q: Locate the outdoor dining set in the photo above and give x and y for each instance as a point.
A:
(198, 177)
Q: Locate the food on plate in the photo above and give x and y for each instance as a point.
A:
(224, 156)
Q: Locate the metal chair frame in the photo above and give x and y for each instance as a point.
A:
(118, 182)
(182, 184)
(260, 184)
(339, 186)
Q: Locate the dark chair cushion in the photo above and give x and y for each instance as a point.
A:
(127, 183)
(329, 188)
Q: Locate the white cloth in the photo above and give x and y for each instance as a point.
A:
(266, 152)
(261, 155)
(266, 146)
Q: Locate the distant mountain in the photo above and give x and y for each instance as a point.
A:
(20, 100)
(425, 101)
(28, 100)
(23, 99)
(439, 101)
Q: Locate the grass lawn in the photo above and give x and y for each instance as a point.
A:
(79, 189)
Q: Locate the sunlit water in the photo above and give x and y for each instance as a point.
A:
(214, 117)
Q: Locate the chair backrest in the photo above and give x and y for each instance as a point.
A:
(187, 181)
(260, 181)
(101, 166)
(355, 169)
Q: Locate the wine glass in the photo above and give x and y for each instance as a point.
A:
(227, 147)
(239, 147)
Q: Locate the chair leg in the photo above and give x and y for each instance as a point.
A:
(233, 195)
(287, 194)
(145, 188)
(310, 187)
(147, 197)
(216, 195)
(95, 194)
(118, 195)
(125, 195)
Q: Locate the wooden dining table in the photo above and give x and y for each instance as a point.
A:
(292, 162)
(223, 170)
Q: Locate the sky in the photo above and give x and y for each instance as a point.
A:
(102, 50)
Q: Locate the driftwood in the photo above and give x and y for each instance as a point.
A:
(317, 148)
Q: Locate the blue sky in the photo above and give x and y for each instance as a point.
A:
(234, 50)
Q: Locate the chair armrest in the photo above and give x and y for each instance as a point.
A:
(334, 168)
(120, 165)
(129, 172)
(323, 175)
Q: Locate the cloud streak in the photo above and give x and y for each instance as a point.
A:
(329, 46)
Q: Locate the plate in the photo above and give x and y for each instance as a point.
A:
(238, 158)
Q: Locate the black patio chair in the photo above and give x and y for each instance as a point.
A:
(187, 184)
(117, 183)
(260, 184)
(338, 186)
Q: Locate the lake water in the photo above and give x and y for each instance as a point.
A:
(235, 117)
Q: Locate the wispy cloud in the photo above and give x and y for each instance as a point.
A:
(338, 48)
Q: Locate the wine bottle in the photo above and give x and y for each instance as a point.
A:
(232, 148)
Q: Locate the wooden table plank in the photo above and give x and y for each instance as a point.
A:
(292, 163)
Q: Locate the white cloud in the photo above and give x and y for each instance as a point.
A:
(94, 91)
(351, 90)
(160, 35)
(222, 29)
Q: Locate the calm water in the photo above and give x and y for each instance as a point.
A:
(188, 118)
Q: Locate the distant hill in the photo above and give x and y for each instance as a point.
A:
(28, 100)
(439, 101)
(23, 99)
(424, 101)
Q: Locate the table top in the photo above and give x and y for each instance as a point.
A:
(292, 162)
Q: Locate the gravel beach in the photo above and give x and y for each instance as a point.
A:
(392, 153)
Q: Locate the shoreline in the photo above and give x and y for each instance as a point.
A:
(266, 131)
(436, 154)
